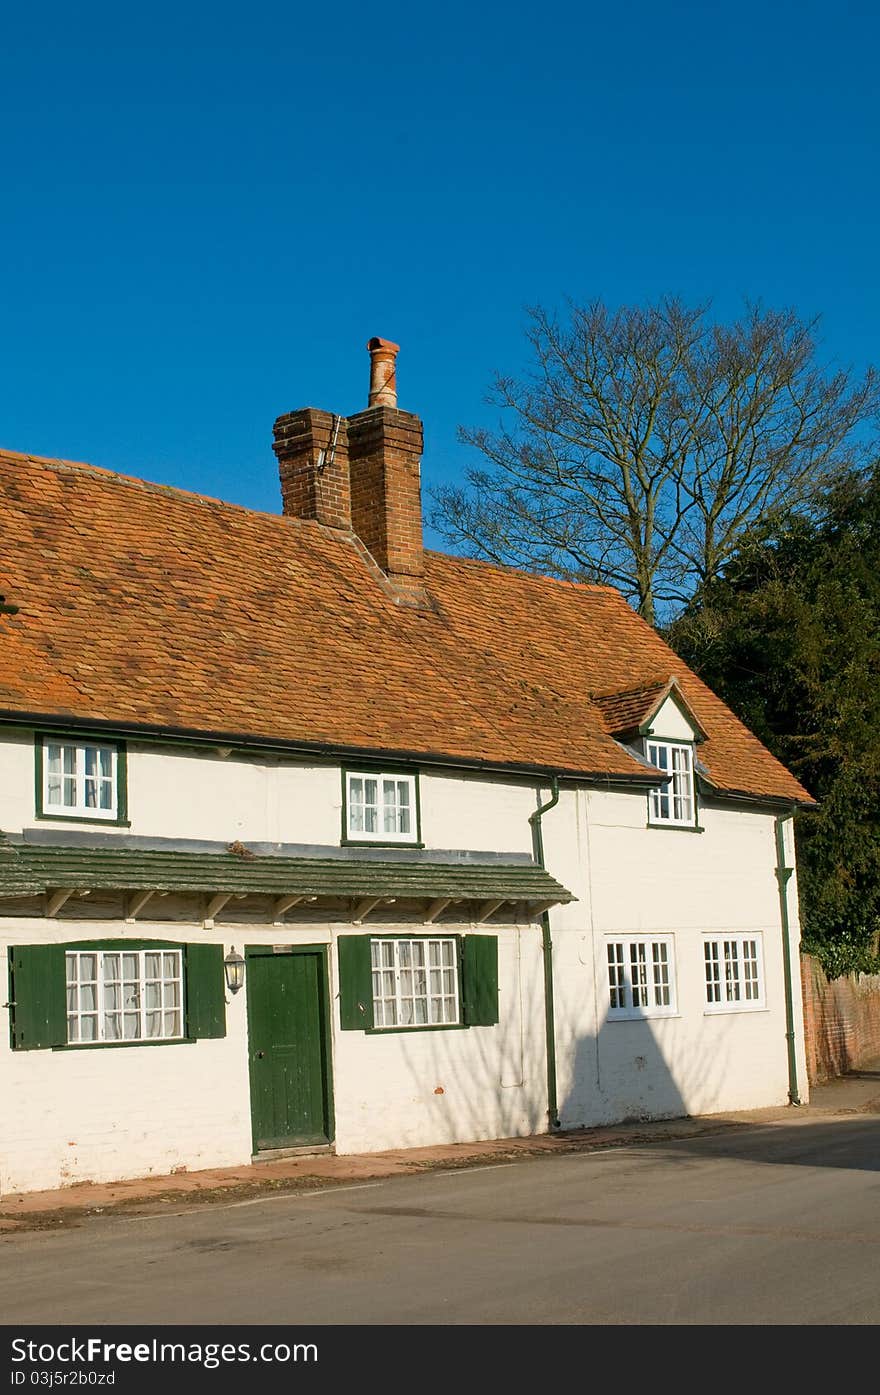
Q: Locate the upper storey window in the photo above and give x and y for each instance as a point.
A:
(672, 802)
(80, 780)
(380, 807)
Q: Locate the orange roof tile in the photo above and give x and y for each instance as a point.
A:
(143, 605)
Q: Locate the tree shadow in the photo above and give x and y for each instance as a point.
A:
(851, 1144)
(491, 1082)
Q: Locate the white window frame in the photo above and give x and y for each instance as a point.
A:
(388, 972)
(79, 809)
(633, 995)
(381, 834)
(103, 1007)
(733, 970)
(680, 786)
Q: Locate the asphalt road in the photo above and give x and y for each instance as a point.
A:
(771, 1225)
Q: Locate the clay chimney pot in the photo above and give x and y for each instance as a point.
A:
(383, 380)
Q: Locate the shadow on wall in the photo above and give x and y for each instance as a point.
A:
(622, 1076)
(486, 1082)
(492, 1082)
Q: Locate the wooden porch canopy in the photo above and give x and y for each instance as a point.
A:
(60, 873)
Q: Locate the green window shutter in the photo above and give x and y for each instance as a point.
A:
(205, 991)
(355, 982)
(479, 971)
(38, 992)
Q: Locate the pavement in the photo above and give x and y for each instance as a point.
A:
(855, 1093)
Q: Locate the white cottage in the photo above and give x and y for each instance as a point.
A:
(312, 839)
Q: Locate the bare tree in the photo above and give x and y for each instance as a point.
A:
(643, 441)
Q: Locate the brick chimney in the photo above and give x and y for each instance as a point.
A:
(312, 451)
(361, 473)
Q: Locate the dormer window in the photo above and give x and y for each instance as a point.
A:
(380, 807)
(673, 802)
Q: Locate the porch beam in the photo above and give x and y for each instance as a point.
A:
(56, 899)
(215, 906)
(135, 904)
(436, 908)
(282, 904)
(486, 909)
(537, 908)
(363, 908)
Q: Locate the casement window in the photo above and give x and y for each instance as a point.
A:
(402, 983)
(124, 995)
(734, 973)
(672, 803)
(641, 976)
(415, 982)
(380, 807)
(80, 779)
(115, 993)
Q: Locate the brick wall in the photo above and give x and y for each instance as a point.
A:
(841, 1020)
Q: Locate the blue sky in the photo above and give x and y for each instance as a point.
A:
(208, 209)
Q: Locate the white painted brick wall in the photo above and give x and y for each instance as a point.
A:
(72, 1116)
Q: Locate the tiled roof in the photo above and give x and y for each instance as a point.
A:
(624, 713)
(142, 605)
(28, 870)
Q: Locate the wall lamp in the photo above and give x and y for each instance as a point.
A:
(233, 967)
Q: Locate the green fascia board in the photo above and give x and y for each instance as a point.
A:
(28, 870)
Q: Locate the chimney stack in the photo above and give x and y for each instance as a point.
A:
(361, 474)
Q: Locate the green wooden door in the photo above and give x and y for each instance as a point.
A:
(290, 1094)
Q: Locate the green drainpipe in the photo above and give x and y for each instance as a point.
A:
(783, 877)
(547, 947)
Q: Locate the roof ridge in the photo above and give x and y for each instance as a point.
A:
(520, 572)
(106, 475)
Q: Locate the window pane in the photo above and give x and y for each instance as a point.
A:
(713, 973)
(389, 799)
(731, 970)
(88, 1029)
(661, 975)
(639, 974)
(616, 981)
(53, 774)
(418, 991)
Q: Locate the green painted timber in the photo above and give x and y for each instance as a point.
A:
(287, 1034)
(30, 869)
